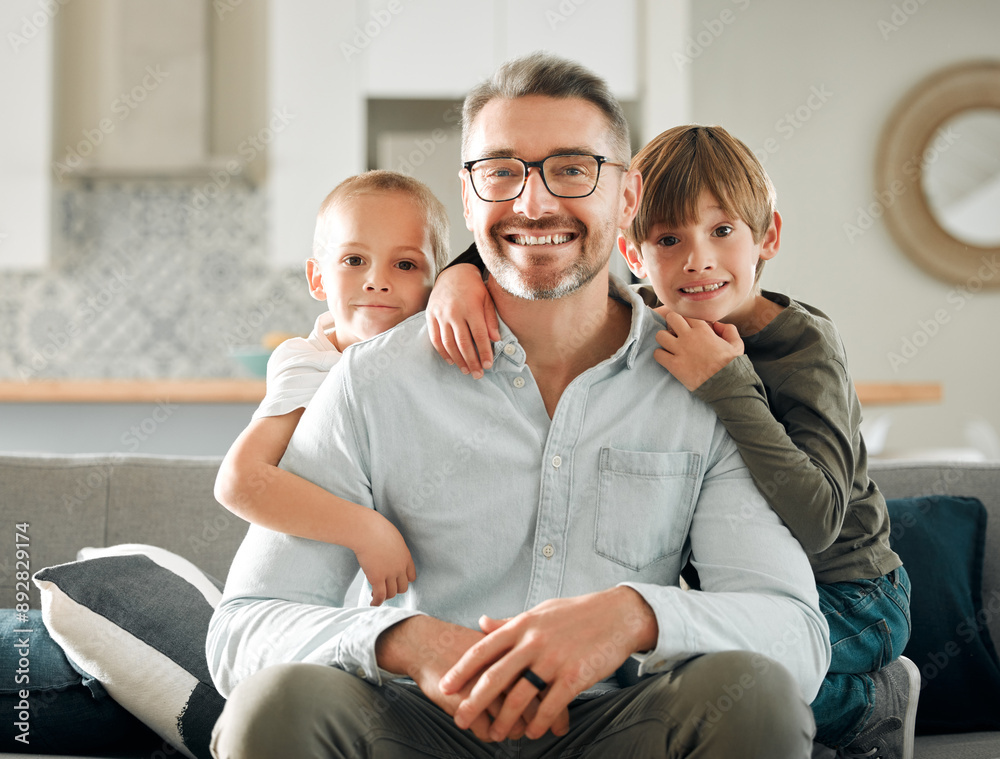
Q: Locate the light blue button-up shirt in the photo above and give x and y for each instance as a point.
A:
(503, 507)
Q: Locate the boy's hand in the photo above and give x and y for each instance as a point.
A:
(462, 319)
(693, 350)
(385, 560)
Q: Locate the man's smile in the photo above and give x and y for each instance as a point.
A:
(527, 240)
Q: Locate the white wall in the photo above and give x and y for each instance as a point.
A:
(25, 90)
(314, 90)
(848, 64)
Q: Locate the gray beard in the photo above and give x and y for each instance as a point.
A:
(510, 279)
(513, 281)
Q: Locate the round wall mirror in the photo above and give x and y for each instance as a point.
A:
(938, 173)
(963, 186)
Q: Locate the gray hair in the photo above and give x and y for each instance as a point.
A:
(551, 76)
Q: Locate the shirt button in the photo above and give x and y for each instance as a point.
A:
(361, 672)
(548, 551)
(518, 381)
(509, 349)
(557, 461)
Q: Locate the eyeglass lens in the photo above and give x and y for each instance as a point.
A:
(569, 176)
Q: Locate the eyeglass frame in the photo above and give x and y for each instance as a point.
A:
(601, 161)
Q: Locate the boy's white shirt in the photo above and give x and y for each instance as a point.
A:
(297, 368)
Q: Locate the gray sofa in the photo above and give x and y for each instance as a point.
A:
(74, 501)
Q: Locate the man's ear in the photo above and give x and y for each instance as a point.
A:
(467, 195)
(315, 277)
(772, 239)
(632, 257)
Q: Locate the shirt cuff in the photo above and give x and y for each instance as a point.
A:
(670, 635)
(357, 654)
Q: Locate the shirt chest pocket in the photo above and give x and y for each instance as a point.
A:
(644, 505)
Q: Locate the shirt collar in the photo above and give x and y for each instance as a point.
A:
(509, 351)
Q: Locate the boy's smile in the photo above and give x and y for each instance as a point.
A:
(706, 269)
(703, 291)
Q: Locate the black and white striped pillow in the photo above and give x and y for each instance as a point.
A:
(135, 617)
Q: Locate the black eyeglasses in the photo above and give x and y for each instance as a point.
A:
(497, 180)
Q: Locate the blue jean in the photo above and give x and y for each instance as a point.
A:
(869, 627)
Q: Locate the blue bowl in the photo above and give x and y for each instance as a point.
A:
(254, 359)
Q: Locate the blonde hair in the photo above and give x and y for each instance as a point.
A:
(551, 76)
(380, 181)
(680, 164)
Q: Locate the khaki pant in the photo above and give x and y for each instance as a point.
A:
(731, 705)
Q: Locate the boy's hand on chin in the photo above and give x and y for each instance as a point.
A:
(693, 350)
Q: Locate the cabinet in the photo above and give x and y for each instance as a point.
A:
(435, 53)
(158, 88)
(600, 34)
(443, 51)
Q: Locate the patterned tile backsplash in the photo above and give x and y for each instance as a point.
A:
(149, 280)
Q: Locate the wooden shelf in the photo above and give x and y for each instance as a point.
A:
(133, 391)
(252, 391)
(893, 393)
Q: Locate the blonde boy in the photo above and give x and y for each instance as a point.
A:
(381, 237)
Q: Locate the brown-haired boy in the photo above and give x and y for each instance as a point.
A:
(380, 239)
(775, 372)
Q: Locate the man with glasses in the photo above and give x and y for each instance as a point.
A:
(549, 508)
(576, 175)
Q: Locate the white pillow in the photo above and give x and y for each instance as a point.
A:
(135, 617)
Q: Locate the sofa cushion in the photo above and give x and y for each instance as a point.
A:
(135, 617)
(65, 501)
(970, 479)
(941, 542)
(50, 706)
(142, 492)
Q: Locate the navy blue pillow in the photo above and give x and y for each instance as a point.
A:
(66, 712)
(941, 540)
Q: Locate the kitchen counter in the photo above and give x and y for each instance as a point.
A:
(252, 391)
(133, 391)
